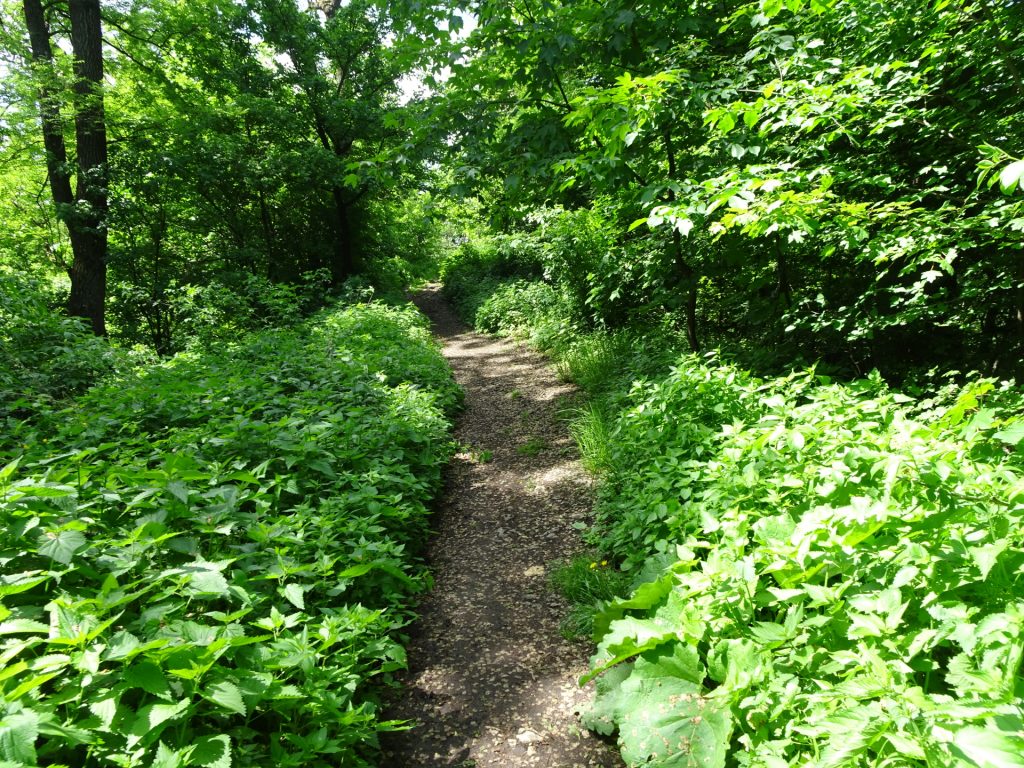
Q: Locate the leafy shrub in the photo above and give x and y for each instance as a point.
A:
(206, 564)
(182, 315)
(44, 355)
(826, 577)
(496, 287)
(824, 574)
(521, 307)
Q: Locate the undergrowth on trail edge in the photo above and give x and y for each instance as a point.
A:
(207, 561)
(818, 573)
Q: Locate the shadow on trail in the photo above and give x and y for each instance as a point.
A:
(491, 680)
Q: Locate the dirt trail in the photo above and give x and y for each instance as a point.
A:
(491, 681)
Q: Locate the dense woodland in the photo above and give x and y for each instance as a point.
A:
(778, 244)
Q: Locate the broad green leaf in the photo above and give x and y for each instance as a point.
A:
(295, 595)
(23, 626)
(665, 719)
(9, 468)
(226, 695)
(851, 733)
(208, 582)
(149, 720)
(18, 734)
(1012, 435)
(167, 757)
(149, 677)
(989, 748)
(178, 490)
(62, 545)
(626, 638)
(381, 565)
(212, 752)
(647, 595)
(15, 583)
(1011, 176)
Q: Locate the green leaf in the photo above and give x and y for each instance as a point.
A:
(22, 627)
(626, 638)
(18, 734)
(15, 583)
(150, 719)
(62, 545)
(647, 595)
(167, 757)
(989, 748)
(149, 677)
(378, 565)
(9, 468)
(1012, 435)
(227, 696)
(178, 490)
(1010, 177)
(295, 595)
(207, 582)
(851, 733)
(212, 752)
(664, 719)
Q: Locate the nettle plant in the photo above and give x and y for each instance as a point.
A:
(831, 575)
(205, 563)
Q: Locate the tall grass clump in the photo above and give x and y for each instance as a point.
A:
(591, 428)
(595, 361)
(588, 582)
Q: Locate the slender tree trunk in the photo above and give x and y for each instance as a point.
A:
(49, 109)
(688, 276)
(689, 279)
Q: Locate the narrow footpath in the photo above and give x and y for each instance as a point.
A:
(491, 680)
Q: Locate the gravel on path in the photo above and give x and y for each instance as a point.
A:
(491, 681)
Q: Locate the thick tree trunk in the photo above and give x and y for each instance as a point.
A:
(84, 213)
(343, 263)
(89, 271)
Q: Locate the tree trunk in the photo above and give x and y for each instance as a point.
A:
(688, 278)
(343, 264)
(686, 273)
(89, 271)
(84, 213)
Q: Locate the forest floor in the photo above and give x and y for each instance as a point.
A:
(491, 681)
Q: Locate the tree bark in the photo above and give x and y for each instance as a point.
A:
(84, 211)
(89, 270)
(49, 109)
(343, 263)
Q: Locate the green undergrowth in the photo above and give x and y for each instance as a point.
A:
(820, 573)
(209, 561)
(496, 287)
(44, 356)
